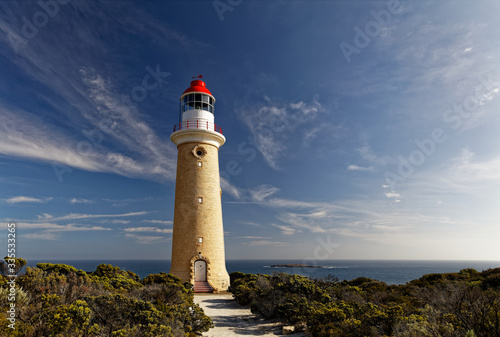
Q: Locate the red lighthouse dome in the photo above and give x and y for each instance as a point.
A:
(197, 86)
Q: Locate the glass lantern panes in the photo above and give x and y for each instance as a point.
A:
(197, 101)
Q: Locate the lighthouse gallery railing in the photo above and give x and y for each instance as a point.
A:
(197, 124)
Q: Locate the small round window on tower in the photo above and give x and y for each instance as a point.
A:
(199, 151)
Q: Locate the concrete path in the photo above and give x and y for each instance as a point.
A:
(230, 319)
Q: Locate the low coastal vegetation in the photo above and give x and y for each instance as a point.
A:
(466, 303)
(60, 300)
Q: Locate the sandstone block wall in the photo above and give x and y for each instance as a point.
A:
(194, 220)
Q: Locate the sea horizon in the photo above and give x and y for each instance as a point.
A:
(388, 271)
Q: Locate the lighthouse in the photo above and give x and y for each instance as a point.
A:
(198, 253)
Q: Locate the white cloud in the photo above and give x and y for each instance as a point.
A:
(145, 239)
(252, 237)
(80, 201)
(120, 221)
(250, 223)
(262, 192)
(367, 154)
(78, 227)
(54, 227)
(367, 219)
(128, 200)
(89, 99)
(47, 224)
(148, 229)
(285, 230)
(288, 203)
(21, 199)
(277, 128)
(128, 129)
(25, 135)
(163, 222)
(40, 236)
(465, 169)
(44, 216)
(392, 195)
(38, 225)
(254, 195)
(226, 186)
(307, 221)
(75, 216)
(359, 168)
(266, 243)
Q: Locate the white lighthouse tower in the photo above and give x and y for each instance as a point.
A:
(198, 253)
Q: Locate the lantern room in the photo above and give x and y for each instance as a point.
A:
(197, 98)
(197, 106)
(197, 101)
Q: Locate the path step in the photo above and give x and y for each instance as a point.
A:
(202, 287)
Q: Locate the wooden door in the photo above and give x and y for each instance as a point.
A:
(200, 270)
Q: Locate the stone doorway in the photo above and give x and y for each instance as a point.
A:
(200, 270)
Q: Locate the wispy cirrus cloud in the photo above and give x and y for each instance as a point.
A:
(465, 173)
(163, 222)
(54, 231)
(367, 154)
(226, 186)
(121, 222)
(265, 243)
(54, 227)
(465, 169)
(80, 201)
(285, 230)
(372, 219)
(129, 131)
(23, 135)
(276, 127)
(359, 168)
(90, 126)
(24, 199)
(146, 239)
(79, 216)
(262, 192)
(252, 237)
(49, 227)
(250, 223)
(78, 227)
(127, 201)
(148, 229)
(40, 236)
(393, 195)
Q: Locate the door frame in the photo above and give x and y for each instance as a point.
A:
(191, 268)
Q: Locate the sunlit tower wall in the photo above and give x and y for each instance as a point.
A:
(198, 253)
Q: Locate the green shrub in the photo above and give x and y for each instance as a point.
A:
(59, 300)
(445, 305)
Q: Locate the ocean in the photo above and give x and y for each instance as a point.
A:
(388, 271)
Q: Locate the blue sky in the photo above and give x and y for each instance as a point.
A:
(355, 129)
